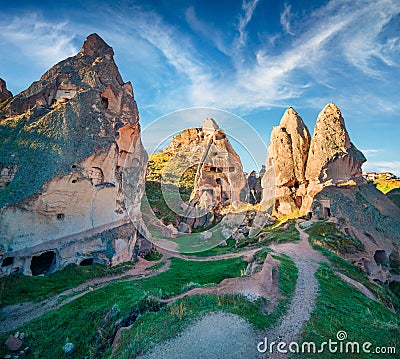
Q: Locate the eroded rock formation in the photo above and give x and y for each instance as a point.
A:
(71, 139)
(219, 178)
(4, 93)
(322, 178)
(288, 150)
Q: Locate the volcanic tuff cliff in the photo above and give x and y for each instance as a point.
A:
(219, 178)
(322, 177)
(68, 140)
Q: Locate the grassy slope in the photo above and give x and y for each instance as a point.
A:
(16, 288)
(284, 233)
(155, 167)
(385, 185)
(340, 307)
(327, 235)
(83, 319)
(168, 322)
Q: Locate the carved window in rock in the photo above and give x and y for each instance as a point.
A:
(104, 102)
(96, 175)
(326, 212)
(7, 261)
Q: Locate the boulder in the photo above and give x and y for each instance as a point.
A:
(13, 343)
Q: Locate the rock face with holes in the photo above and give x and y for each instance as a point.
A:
(288, 150)
(321, 177)
(4, 93)
(72, 144)
(219, 178)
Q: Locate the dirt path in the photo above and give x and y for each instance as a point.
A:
(217, 335)
(13, 316)
(214, 335)
(307, 262)
(18, 314)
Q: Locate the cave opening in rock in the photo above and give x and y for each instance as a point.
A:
(326, 211)
(381, 257)
(299, 201)
(86, 262)
(7, 261)
(43, 263)
(104, 102)
(60, 216)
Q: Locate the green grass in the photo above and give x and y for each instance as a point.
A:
(153, 256)
(156, 164)
(17, 288)
(382, 292)
(385, 185)
(284, 233)
(340, 307)
(85, 321)
(153, 328)
(327, 235)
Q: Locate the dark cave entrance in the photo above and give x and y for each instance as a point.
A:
(381, 257)
(44, 263)
(7, 261)
(86, 262)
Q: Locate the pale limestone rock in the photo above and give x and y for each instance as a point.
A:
(74, 206)
(219, 179)
(332, 157)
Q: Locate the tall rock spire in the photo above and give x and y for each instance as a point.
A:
(332, 156)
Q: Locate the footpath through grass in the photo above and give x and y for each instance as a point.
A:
(91, 321)
(156, 327)
(18, 288)
(340, 307)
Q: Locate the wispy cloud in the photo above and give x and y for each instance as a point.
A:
(383, 166)
(41, 41)
(248, 8)
(285, 19)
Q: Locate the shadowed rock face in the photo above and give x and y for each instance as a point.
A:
(288, 150)
(219, 178)
(70, 140)
(304, 165)
(332, 156)
(4, 93)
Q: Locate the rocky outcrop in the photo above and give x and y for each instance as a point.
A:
(332, 157)
(303, 166)
(219, 178)
(4, 93)
(322, 178)
(63, 182)
(288, 150)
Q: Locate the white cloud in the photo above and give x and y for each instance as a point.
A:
(371, 151)
(286, 18)
(44, 42)
(383, 166)
(248, 8)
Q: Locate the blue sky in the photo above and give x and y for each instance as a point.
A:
(252, 58)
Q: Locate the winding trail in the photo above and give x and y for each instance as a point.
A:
(307, 261)
(214, 336)
(13, 316)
